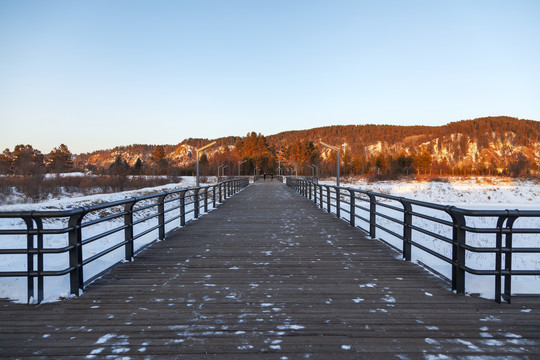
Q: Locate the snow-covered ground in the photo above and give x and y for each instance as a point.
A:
(58, 286)
(470, 193)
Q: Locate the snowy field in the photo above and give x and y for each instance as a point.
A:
(57, 287)
(470, 193)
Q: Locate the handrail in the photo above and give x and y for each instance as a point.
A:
(128, 216)
(331, 198)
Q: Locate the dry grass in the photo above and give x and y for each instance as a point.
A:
(31, 188)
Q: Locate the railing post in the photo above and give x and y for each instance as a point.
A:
(206, 199)
(372, 215)
(315, 189)
(458, 251)
(214, 196)
(338, 203)
(407, 231)
(352, 209)
(39, 228)
(161, 216)
(183, 208)
(128, 231)
(220, 192)
(320, 196)
(196, 203)
(328, 205)
(75, 254)
(507, 295)
(29, 258)
(309, 190)
(498, 257)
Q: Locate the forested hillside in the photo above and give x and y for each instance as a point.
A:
(490, 145)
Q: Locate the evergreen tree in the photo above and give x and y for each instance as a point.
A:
(27, 160)
(120, 170)
(60, 159)
(137, 167)
(5, 162)
(158, 156)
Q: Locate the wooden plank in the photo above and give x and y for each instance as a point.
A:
(268, 275)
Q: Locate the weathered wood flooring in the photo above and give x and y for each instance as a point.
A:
(270, 276)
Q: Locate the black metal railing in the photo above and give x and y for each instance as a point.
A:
(421, 225)
(81, 236)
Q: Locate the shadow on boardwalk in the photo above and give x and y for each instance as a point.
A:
(268, 275)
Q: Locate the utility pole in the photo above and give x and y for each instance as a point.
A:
(295, 165)
(337, 151)
(198, 151)
(240, 163)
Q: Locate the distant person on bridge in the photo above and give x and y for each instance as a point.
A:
(264, 176)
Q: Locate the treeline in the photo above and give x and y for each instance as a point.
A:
(28, 161)
(481, 130)
(25, 160)
(485, 146)
(155, 164)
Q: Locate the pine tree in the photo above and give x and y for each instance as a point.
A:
(137, 168)
(158, 156)
(60, 159)
(27, 160)
(5, 162)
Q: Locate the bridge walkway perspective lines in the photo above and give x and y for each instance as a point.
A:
(268, 275)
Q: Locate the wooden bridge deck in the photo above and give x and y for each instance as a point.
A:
(268, 275)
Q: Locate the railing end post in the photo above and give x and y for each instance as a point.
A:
(407, 232)
(458, 251)
(76, 278)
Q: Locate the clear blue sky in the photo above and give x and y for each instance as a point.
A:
(96, 74)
